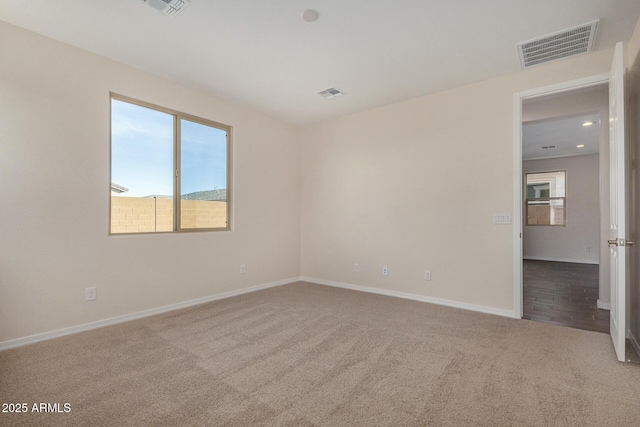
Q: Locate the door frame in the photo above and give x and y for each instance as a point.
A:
(518, 98)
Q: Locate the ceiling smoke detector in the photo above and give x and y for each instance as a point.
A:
(310, 15)
(168, 7)
(574, 41)
(332, 92)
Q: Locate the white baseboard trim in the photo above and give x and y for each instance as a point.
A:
(19, 342)
(414, 297)
(634, 342)
(576, 261)
(604, 305)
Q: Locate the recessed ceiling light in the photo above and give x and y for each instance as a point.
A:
(580, 146)
(585, 124)
(310, 15)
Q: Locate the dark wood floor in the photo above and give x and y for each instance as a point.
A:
(563, 293)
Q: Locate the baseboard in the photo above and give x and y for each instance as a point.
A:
(604, 305)
(634, 342)
(414, 297)
(576, 261)
(19, 342)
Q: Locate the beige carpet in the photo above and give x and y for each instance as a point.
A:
(308, 355)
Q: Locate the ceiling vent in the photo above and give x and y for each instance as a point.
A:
(574, 41)
(332, 92)
(168, 7)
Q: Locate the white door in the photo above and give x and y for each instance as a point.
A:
(617, 227)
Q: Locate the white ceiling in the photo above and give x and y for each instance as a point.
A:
(262, 55)
(566, 133)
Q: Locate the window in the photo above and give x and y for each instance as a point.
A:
(546, 198)
(169, 171)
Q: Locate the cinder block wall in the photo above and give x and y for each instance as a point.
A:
(140, 215)
(203, 214)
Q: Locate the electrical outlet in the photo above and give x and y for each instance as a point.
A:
(427, 275)
(243, 269)
(385, 271)
(356, 267)
(90, 293)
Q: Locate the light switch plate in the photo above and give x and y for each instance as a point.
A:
(502, 219)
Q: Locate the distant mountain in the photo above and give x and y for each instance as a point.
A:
(218, 195)
(207, 195)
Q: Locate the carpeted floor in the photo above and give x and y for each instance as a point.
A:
(311, 355)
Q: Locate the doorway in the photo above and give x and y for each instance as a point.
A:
(619, 267)
(568, 252)
(563, 136)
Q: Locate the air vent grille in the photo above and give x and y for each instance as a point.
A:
(573, 41)
(168, 7)
(332, 92)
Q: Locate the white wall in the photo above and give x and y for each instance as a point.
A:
(54, 197)
(569, 243)
(414, 186)
(580, 101)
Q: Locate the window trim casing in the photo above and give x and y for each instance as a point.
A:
(177, 116)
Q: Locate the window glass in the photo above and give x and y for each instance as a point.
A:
(203, 182)
(149, 160)
(546, 201)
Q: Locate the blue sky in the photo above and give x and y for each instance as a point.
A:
(142, 152)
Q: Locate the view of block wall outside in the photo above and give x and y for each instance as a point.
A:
(155, 214)
(544, 215)
(203, 214)
(546, 198)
